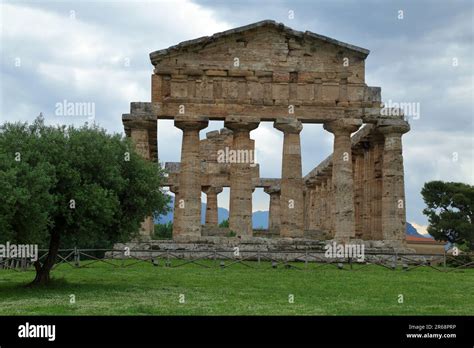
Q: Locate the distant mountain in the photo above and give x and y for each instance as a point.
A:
(411, 231)
(259, 219)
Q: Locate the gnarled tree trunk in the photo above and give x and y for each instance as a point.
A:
(42, 271)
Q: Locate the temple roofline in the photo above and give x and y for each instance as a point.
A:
(157, 55)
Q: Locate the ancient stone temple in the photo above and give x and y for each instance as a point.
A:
(267, 72)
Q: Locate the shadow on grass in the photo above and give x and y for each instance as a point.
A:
(59, 285)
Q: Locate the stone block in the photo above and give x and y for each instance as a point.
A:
(305, 91)
(255, 90)
(179, 89)
(355, 92)
(280, 91)
(330, 91)
(204, 89)
(230, 89)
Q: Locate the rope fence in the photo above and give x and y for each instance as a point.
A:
(222, 259)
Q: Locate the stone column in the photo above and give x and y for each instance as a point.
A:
(241, 186)
(357, 162)
(324, 205)
(140, 134)
(177, 210)
(330, 205)
(317, 207)
(376, 188)
(342, 181)
(310, 206)
(367, 178)
(274, 213)
(190, 176)
(306, 195)
(140, 139)
(393, 188)
(292, 223)
(211, 205)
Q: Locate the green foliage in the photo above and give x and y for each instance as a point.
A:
(163, 231)
(75, 182)
(224, 223)
(231, 234)
(450, 211)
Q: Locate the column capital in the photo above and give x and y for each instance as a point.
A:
(191, 123)
(272, 189)
(311, 183)
(174, 189)
(241, 124)
(396, 126)
(343, 126)
(319, 179)
(212, 189)
(288, 125)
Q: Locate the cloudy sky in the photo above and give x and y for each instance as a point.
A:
(97, 52)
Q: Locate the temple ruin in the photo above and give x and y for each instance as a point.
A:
(267, 72)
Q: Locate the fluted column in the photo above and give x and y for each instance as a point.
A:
(358, 162)
(274, 212)
(330, 205)
(305, 207)
(190, 177)
(393, 188)
(140, 134)
(367, 177)
(292, 203)
(342, 181)
(310, 209)
(324, 205)
(140, 139)
(211, 205)
(177, 211)
(317, 205)
(241, 187)
(376, 188)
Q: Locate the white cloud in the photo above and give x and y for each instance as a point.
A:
(422, 229)
(85, 59)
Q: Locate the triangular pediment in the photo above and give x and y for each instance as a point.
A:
(299, 40)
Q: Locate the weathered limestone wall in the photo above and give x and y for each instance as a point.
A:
(264, 64)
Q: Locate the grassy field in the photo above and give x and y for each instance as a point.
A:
(143, 289)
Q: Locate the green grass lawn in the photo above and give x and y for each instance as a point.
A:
(143, 289)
